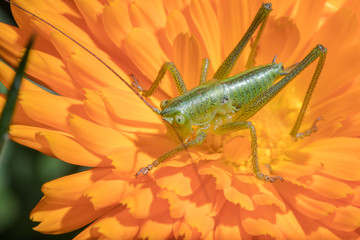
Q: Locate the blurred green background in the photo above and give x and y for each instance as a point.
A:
(22, 173)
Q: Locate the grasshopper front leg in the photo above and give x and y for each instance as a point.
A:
(174, 72)
(236, 126)
(200, 138)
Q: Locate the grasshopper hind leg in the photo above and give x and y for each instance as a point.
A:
(309, 131)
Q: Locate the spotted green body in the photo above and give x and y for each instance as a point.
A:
(214, 103)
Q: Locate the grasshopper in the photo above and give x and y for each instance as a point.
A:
(223, 104)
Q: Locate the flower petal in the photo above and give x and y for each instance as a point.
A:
(187, 50)
(56, 219)
(175, 25)
(68, 150)
(99, 139)
(327, 153)
(145, 18)
(344, 219)
(118, 224)
(48, 109)
(106, 191)
(204, 17)
(71, 188)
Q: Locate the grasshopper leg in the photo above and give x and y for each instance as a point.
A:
(261, 18)
(236, 126)
(174, 72)
(200, 138)
(249, 109)
(204, 70)
(308, 132)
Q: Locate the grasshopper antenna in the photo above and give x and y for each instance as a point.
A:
(157, 111)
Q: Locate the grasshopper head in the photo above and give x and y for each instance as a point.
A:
(174, 116)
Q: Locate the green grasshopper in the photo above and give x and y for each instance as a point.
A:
(223, 105)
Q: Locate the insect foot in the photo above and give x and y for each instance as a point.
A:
(146, 169)
(142, 171)
(135, 83)
(308, 132)
(267, 178)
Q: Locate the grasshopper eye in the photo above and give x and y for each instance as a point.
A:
(163, 104)
(179, 119)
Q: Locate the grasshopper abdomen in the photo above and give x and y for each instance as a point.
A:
(246, 86)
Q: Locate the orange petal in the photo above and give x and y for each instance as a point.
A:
(146, 149)
(175, 25)
(344, 219)
(106, 191)
(355, 200)
(150, 20)
(118, 224)
(47, 67)
(159, 228)
(146, 53)
(259, 227)
(288, 226)
(268, 195)
(176, 5)
(123, 166)
(96, 109)
(327, 152)
(7, 75)
(223, 178)
(291, 170)
(48, 109)
(283, 36)
(126, 105)
(328, 187)
(70, 151)
(57, 219)
(197, 217)
(204, 17)
(79, 62)
(181, 228)
(341, 26)
(26, 136)
(99, 139)
(228, 224)
(282, 226)
(237, 194)
(117, 21)
(11, 43)
(177, 206)
(234, 19)
(188, 59)
(69, 189)
(308, 16)
(92, 12)
(178, 182)
(139, 201)
(307, 203)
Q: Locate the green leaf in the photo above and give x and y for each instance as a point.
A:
(12, 95)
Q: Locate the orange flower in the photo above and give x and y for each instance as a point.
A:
(208, 192)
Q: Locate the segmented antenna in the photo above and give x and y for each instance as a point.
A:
(157, 111)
